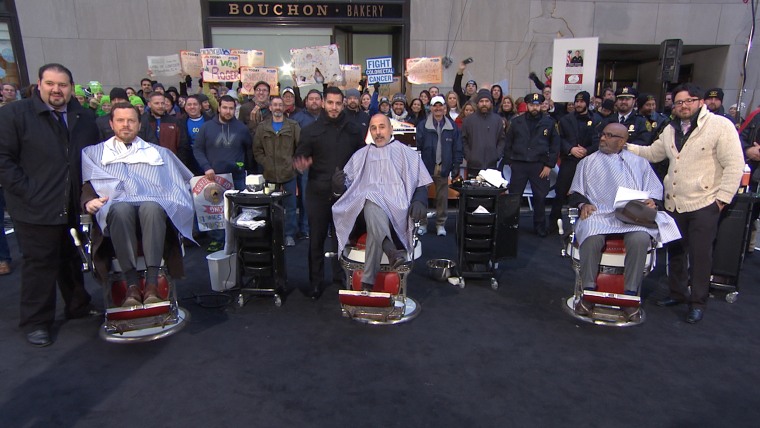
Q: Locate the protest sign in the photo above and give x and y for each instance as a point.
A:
(574, 64)
(168, 65)
(208, 199)
(424, 70)
(191, 63)
(249, 57)
(380, 70)
(249, 76)
(215, 51)
(351, 75)
(220, 68)
(315, 65)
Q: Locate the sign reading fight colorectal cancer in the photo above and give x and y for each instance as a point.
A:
(208, 198)
(424, 70)
(379, 70)
(220, 68)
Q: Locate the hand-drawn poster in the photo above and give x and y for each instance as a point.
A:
(574, 67)
(220, 68)
(208, 198)
(249, 76)
(191, 63)
(424, 70)
(249, 57)
(168, 65)
(215, 51)
(351, 76)
(315, 65)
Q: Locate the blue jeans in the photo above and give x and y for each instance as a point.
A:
(289, 203)
(5, 252)
(303, 220)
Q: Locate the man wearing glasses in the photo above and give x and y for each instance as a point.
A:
(595, 185)
(706, 164)
(256, 110)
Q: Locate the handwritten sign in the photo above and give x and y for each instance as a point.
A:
(220, 68)
(249, 57)
(191, 63)
(249, 76)
(168, 65)
(215, 51)
(379, 70)
(315, 65)
(208, 199)
(424, 70)
(351, 74)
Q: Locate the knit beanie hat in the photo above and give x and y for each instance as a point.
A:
(136, 101)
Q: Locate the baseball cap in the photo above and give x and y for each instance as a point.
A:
(437, 99)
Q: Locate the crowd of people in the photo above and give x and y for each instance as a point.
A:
(302, 145)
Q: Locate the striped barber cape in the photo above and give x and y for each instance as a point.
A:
(598, 178)
(138, 177)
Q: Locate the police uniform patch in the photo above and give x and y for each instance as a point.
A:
(649, 126)
(588, 123)
(631, 128)
(546, 132)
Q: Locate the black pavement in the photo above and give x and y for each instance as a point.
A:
(473, 357)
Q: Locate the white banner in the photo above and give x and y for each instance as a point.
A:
(574, 65)
(168, 65)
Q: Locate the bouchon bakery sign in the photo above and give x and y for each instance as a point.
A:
(240, 9)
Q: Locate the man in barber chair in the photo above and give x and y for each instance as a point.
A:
(133, 186)
(593, 191)
(386, 183)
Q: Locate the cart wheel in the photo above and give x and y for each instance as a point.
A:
(732, 297)
(494, 284)
(240, 300)
(277, 300)
(461, 282)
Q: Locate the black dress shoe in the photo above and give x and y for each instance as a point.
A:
(89, 311)
(39, 338)
(541, 231)
(695, 315)
(668, 302)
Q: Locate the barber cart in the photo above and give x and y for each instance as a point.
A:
(257, 222)
(486, 229)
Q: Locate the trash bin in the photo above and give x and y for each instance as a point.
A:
(222, 268)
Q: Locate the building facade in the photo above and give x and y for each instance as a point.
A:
(108, 40)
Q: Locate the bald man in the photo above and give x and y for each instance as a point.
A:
(595, 185)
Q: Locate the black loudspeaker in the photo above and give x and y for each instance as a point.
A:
(670, 59)
(731, 241)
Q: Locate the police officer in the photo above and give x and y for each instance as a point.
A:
(578, 139)
(531, 151)
(655, 122)
(714, 103)
(625, 97)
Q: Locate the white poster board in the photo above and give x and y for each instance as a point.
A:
(574, 64)
(167, 65)
(315, 65)
(220, 68)
(208, 198)
(191, 63)
(424, 70)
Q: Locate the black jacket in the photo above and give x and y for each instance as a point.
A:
(330, 144)
(540, 144)
(40, 163)
(104, 128)
(578, 130)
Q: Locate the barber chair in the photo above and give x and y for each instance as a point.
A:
(388, 302)
(608, 304)
(139, 323)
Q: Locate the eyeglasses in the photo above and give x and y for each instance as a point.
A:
(689, 101)
(610, 135)
(262, 90)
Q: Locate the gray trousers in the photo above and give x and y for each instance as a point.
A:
(122, 227)
(636, 246)
(441, 198)
(378, 230)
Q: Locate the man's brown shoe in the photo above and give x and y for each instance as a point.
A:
(134, 298)
(150, 295)
(5, 268)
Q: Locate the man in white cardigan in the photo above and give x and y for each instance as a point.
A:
(706, 164)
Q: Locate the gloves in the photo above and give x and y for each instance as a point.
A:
(338, 182)
(455, 171)
(417, 211)
(376, 86)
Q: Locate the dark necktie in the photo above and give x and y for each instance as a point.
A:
(622, 119)
(61, 119)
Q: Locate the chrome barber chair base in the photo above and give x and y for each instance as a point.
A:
(144, 329)
(403, 310)
(606, 315)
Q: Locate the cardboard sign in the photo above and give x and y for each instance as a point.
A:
(215, 51)
(249, 76)
(208, 198)
(191, 63)
(379, 70)
(351, 75)
(424, 70)
(316, 65)
(220, 68)
(249, 57)
(168, 65)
